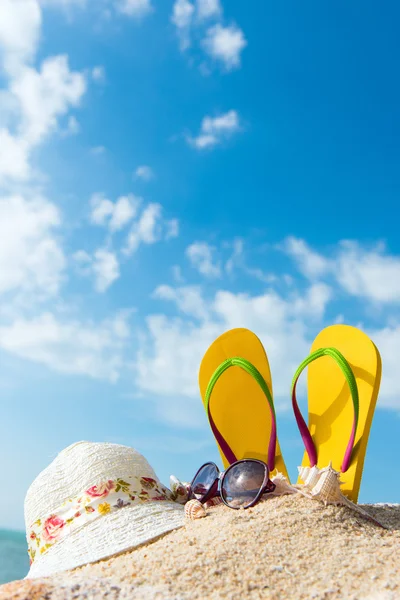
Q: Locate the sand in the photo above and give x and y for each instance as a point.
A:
(285, 547)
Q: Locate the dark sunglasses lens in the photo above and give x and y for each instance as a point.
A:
(242, 483)
(203, 481)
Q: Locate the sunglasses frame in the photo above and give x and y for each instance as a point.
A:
(216, 487)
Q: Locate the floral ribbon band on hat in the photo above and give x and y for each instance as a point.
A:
(97, 501)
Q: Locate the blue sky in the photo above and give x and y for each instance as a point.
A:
(170, 170)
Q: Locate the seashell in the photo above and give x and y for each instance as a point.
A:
(327, 487)
(282, 485)
(194, 510)
(327, 490)
(311, 478)
(303, 473)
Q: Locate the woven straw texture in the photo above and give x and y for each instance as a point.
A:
(77, 468)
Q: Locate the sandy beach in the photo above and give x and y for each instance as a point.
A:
(284, 547)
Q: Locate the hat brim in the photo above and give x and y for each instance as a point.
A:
(111, 534)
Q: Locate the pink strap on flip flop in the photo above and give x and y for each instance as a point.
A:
(351, 380)
(253, 371)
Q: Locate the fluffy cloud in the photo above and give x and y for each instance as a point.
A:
(20, 24)
(150, 228)
(368, 274)
(134, 8)
(103, 266)
(31, 257)
(188, 299)
(310, 263)
(14, 157)
(46, 95)
(114, 215)
(41, 98)
(92, 349)
(365, 273)
(216, 129)
(225, 44)
(182, 15)
(387, 341)
(208, 8)
(200, 255)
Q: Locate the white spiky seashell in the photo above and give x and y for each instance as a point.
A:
(327, 490)
(303, 473)
(311, 478)
(282, 486)
(194, 510)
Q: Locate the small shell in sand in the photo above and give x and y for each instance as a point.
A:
(282, 486)
(194, 510)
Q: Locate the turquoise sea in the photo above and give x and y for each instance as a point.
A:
(14, 561)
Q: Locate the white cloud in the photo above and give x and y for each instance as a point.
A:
(31, 258)
(134, 8)
(144, 172)
(102, 208)
(361, 272)
(114, 215)
(99, 74)
(46, 95)
(20, 23)
(310, 263)
(125, 209)
(103, 266)
(225, 44)
(387, 341)
(368, 274)
(201, 256)
(38, 100)
(147, 229)
(14, 157)
(208, 8)
(188, 299)
(215, 129)
(92, 349)
(182, 16)
(63, 3)
(105, 269)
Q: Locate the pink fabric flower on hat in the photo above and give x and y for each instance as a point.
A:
(101, 490)
(52, 528)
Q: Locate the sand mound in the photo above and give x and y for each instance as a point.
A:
(287, 547)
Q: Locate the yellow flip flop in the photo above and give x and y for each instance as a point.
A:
(343, 386)
(236, 388)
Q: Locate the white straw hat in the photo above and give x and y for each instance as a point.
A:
(93, 501)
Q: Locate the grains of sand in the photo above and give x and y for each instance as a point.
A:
(285, 547)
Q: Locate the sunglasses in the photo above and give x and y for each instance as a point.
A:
(240, 486)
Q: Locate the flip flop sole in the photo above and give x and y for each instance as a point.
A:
(330, 406)
(238, 405)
